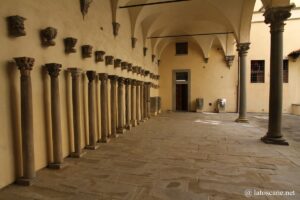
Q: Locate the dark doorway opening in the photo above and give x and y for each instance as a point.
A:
(181, 97)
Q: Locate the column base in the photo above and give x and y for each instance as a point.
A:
(271, 140)
(77, 155)
(134, 123)
(106, 140)
(92, 147)
(56, 166)
(114, 136)
(242, 120)
(24, 181)
(128, 126)
(121, 130)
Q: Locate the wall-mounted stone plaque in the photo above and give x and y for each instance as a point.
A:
(109, 60)
(117, 63)
(47, 36)
(86, 51)
(124, 65)
(16, 27)
(70, 45)
(99, 56)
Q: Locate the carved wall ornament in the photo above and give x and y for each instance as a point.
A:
(138, 71)
(206, 60)
(151, 75)
(70, 45)
(129, 67)
(47, 36)
(153, 57)
(147, 72)
(84, 6)
(99, 56)
(145, 51)
(142, 72)
(134, 69)
(158, 62)
(86, 51)
(116, 27)
(117, 63)
(229, 60)
(16, 27)
(109, 60)
(133, 42)
(294, 55)
(124, 65)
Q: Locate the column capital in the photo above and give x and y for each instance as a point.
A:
(113, 78)
(128, 81)
(103, 76)
(243, 48)
(277, 15)
(91, 75)
(24, 63)
(53, 69)
(121, 80)
(133, 82)
(75, 72)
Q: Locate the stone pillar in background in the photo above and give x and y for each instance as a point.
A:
(25, 65)
(76, 75)
(113, 100)
(243, 48)
(138, 107)
(127, 103)
(120, 129)
(104, 107)
(148, 100)
(53, 71)
(142, 100)
(92, 111)
(276, 17)
(133, 102)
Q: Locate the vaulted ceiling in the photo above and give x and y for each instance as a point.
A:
(193, 17)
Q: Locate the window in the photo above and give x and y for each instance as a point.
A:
(181, 76)
(181, 48)
(285, 71)
(257, 71)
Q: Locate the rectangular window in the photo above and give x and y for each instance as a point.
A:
(181, 48)
(257, 71)
(182, 76)
(285, 71)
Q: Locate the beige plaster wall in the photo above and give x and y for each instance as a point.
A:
(210, 80)
(66, 17)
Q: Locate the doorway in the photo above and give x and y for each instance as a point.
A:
(181, 90)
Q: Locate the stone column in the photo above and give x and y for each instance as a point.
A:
(138, 107)
(76, 75)
(120, 129)
(53, 71)
(91, 75)
(276, 17)
(133, 101)
(113, 100)
(104, 107)
(242, 48)
(142, 101)
(148, 100)
(127, 103)
(25, 65)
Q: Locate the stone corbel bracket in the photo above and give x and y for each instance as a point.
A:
(47, 36)
(124, 65)
(109, 60)
(133, 42)
(117, 63)
(84, 6)
(129, 67)
(99, 56)
(145, 51)
(158, 62)
(16, 27)
(147, 72)
(139, 69)
(229, 60)
(70, 43)
(294, 55)
(134, 69)
(206, 60)
(116, 27)
(86, 51)
(153, 58)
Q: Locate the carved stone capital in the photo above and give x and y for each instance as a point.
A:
(116, 27)
(121, 81)
(133, 82)
(129, 67)
(229, 60)
(70, 44)
(139, 70)
(75, 72)
(24, 63)
(109, 60)
(243, 48)
(117, 63)
(99, 56)
(113, 78)
(103, 76)
(53, 69)
(147, 72)
(47, 36)
(128, 81)
(276, 17)
(91, 75)
(134, 69)
(86, 51)
(133, 42)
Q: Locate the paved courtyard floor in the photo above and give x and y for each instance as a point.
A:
(178, 156)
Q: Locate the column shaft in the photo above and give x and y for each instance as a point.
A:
(113, 100)
(138, 107)
(120, 129)
(127, 103)
(104, 107)
(142, 99)
(133, 101)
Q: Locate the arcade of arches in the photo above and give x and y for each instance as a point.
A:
(79, 79)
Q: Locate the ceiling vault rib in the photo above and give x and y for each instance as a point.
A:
(189, 35)
(153, 3)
